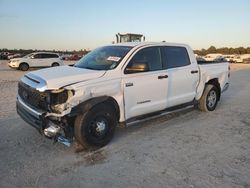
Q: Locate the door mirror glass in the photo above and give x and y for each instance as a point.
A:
(136, 67)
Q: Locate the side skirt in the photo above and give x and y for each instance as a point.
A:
(153, 115)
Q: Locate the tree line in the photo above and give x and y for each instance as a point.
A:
(202, 52)
(224, 50)
(28, 51)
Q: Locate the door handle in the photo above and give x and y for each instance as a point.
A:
(129, 84)
(162, 77)
(194, 71)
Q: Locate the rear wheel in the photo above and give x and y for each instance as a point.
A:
(209, 99)
(96, 127)
(23, 66)
(55, 64)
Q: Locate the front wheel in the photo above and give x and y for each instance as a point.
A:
(209, 99)
(96, 127)
(23, 66)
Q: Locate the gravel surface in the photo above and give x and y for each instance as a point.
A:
(184, 149)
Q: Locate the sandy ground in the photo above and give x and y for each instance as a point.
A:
(186, 149)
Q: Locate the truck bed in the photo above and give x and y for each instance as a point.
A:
(212, 70)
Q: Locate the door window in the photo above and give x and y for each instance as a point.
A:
(175, 57)
(151, 56)
(46, 56)
(37, 56)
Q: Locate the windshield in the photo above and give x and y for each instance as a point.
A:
(104, 58)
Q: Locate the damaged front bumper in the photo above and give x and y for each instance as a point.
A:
(33, 117)
(37, 119)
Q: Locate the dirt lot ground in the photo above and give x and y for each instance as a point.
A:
(185, 149)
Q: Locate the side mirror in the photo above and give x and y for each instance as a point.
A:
(136, 67)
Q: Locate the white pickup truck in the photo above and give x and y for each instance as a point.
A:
(114, 85)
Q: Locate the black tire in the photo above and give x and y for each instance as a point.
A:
(55, 64)
(209, 99)
(24, 67)
(89, 133)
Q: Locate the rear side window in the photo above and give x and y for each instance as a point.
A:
(53, 55)
(176, 57)
(150, 55)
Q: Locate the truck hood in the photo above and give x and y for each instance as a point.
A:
(57, 77)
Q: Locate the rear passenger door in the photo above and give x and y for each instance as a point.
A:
(47, 59)
(183, 76)
(145, 92)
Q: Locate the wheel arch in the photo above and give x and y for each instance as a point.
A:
(215, 83)
(87, 105)
(23, 62)
(58, 64)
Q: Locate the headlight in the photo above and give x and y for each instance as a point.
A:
(14, 61)
(57, 99)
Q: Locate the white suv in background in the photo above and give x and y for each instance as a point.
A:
(37, 59)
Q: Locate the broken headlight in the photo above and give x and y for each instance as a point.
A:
(56, 99)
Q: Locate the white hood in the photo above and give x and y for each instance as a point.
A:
(16, 59)
(57, 77)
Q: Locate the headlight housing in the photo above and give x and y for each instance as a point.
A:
(57, 99)
(14, 61)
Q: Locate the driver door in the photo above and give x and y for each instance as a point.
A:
(145, 92)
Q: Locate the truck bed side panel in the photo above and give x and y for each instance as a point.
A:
(209, 72)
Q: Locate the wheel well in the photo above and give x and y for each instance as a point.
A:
(23, 63)
(111, 101)
(55, 63)
(215, 83)
(87, 105)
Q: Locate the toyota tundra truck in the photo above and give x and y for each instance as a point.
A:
(116, 85)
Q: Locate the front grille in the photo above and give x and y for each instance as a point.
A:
(31, 96)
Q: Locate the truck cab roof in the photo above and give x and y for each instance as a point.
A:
(141, 44)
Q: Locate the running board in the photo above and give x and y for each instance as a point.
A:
(158, 114)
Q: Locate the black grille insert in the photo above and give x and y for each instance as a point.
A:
(31, 96)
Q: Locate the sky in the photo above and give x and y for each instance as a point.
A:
(87, 24)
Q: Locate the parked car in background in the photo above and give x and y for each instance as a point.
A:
(241, 58)
(65, 56)
(211, 57)
(199, 58)
(220, 59)
(11, 56)
(74, 57)
(237, 59)
(229, 58)
(247, 60)
(4, 55)
(38, 59)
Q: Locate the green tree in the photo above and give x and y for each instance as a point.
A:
(211, 49)
(242, 50)
(248, 50)
(223, 50)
